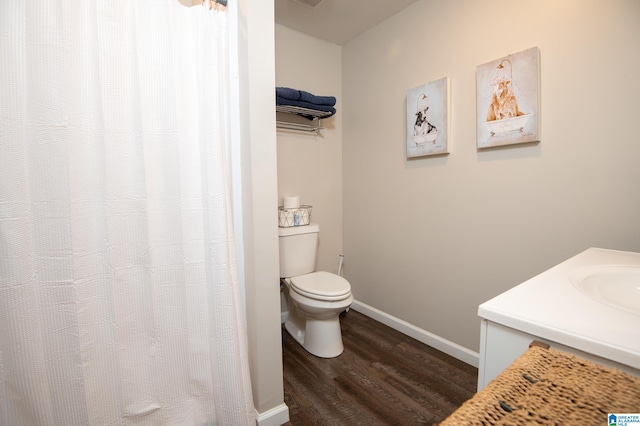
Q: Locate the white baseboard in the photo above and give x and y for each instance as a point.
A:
(436, 342)
(275, 417)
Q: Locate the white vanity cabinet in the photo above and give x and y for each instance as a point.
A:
(500, 346)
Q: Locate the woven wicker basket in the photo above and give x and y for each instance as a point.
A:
(549, 387)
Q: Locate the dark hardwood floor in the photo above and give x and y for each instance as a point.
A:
(383, 377)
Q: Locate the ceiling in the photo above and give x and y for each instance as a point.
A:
(336, 21)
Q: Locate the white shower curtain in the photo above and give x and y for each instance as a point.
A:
(119, 298)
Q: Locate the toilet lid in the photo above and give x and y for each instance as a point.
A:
(321, 285)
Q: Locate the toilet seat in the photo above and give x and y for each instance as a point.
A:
(321, 285)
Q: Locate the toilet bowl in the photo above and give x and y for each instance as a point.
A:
(317, 299)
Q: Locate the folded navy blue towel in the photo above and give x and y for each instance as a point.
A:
(301, 95)
(319, 100)
(288, 93)
(324, 108)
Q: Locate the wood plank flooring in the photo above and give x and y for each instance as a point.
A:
(383, 377)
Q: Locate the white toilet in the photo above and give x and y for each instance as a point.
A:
(315, 299)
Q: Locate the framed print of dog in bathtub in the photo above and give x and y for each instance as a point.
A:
(428, 119)
(508, 100)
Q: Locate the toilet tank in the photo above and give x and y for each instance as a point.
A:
(298, 249)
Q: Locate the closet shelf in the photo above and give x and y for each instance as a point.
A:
(301, 111)
(297, 118)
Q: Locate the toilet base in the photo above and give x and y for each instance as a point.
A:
(322, 338)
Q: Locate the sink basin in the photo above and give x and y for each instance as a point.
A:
(616, 285)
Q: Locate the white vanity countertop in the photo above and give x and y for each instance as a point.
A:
(551, 307)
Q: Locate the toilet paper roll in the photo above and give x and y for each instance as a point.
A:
(291, 201)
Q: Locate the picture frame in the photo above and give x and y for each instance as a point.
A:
(428, 119)
(508, 100)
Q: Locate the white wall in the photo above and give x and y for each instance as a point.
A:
(428, 240)
(308, 165)
(259, 200)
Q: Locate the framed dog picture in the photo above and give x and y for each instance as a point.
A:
(428, 119)
(508, 100)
